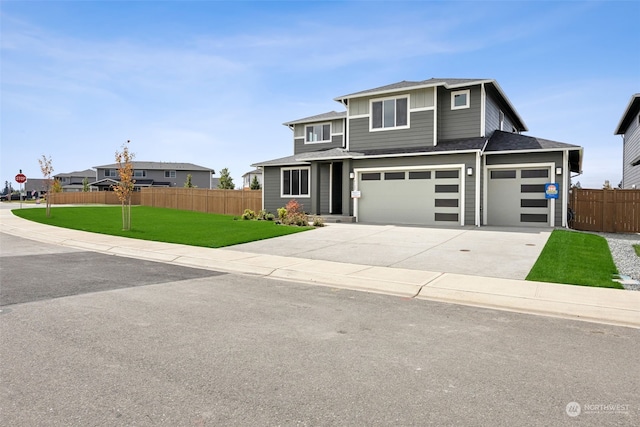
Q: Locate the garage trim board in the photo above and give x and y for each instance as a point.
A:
(460, 168)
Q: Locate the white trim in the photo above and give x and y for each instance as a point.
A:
(478, 183)
(435, 116)
(552, 177)
(324, 141)
(483, 111)
(359, 116)
(395, 98)
(422, 153)
(565, 186)
(301, 196)
(541, 150)
(466, 92)
(413, 110)
(460, 166)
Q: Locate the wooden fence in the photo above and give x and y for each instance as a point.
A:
(228, 202)
(91, 197)
(611, 211)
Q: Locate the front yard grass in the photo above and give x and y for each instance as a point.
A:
(575, 258)
(637, 248)
(162, 225)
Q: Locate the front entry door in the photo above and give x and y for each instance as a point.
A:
(336, 188)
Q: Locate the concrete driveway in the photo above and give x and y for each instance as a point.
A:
(487, 251)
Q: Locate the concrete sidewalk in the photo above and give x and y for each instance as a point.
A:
(609, 306)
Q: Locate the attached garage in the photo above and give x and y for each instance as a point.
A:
(412, 195)
(516, 195)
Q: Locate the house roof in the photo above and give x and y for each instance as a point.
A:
(77, 174)
(501, 142)
(253, 172)
(629, 114)
(159, 166)
(448, 83)
(331, 115)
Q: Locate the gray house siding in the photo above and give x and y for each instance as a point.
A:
(272, 200)
(468, 159)
(545, 157)
(631, 152)
(419, 134)
(462, 123)
(337, 138)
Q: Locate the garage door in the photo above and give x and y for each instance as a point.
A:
(516, 197)
(422, 197)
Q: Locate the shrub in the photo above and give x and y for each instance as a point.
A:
(248, 214)
(282, 213)
(269, 217)
(294, 214)
(262, 215)
(318, 221)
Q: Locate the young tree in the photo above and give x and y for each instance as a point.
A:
(85, 185)
(124, 188)
(56, 187)
(226, 182)
(188, 183)
(46, 166)
(255, 184)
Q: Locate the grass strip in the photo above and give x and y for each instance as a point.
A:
(575, 258)
(162, 225)
(637, 249)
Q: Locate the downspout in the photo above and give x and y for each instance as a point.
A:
(565, 187)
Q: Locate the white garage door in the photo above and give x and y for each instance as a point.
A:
(516, 197)
(420, 197)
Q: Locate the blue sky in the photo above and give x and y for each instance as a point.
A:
(211, 82)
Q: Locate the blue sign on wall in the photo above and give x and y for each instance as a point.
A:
(551, 190)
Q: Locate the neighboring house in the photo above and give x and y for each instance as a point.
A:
(433, 152)
(155, 174)
(629, 128)
(247, 178)
(34, 187)
(74, 181)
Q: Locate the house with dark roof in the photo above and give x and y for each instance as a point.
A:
(156, 174)
(433, 152)
(629, 128)
(74, 181)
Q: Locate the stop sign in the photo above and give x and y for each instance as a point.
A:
(20, 178)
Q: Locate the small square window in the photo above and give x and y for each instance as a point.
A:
(460, 99)
(169, 174)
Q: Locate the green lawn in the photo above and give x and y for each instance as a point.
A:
(637, 248)
(575, 258)
(163, 225)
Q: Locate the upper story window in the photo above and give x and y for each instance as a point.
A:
(318, 133)
(460, 99)
(389, 114)
(111, 173)
(139, 173)
(169, 174)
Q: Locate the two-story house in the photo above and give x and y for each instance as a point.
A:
(156, 174)
(629, 128)
(74, 181)
(432, 152)
(248, 178)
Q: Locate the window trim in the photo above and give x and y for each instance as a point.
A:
(382, 100)
(169, 174)
(108, 173)
(143, 171)
(299, 196)
(466, 92)
(324, 141)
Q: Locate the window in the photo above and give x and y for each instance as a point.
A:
(318, 133)
(169, 174)
(420, 175)
(460, 99)
(112, 173)
(389, 113)
(139, 173)
(389, 176)
(373, 176)
(295, 182)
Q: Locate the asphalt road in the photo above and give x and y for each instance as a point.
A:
(93, 339)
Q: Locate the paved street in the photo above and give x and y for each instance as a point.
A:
(192, 347)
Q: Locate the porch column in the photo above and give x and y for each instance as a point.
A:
(315, 189)
(347, 204)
